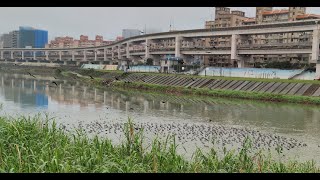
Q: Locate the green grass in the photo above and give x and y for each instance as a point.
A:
(220, 93)
(38, 145)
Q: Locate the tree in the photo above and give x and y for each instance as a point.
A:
(149, 62)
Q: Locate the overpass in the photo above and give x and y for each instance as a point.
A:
(180, 44)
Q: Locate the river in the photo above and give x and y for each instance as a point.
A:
(192, 119)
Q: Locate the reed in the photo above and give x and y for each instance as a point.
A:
(33, 144)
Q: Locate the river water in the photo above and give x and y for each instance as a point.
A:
(194, 120)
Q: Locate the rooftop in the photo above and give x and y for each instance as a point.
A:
(281, 11)
(250, 20)
(305, 16)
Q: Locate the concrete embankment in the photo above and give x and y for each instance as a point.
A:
(279, 88)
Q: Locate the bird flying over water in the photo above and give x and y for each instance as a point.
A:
(31, 75)
(54, 83)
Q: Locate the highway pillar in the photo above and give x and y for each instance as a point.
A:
(315, 51)
(147, 49)
(177, 46)
(47, 55)
(119, 51)
(105, 54)
(72, 55)
(84, 55)
(127, 51)
(234, 55)
(60, 55)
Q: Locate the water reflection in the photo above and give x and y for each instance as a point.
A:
(76, 98)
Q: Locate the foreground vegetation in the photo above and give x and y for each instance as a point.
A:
(220, 93)
(33, 145)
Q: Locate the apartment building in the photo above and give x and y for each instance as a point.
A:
(263, 15)
(69, 42)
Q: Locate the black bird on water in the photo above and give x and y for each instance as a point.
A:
(117, 78)
(31, 75)
(163, 102)
(54, 83)
(91, 77)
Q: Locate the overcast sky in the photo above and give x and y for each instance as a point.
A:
(108, 21)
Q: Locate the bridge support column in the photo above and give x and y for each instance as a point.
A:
(119, 52)
(11, 54)
(78, 63)
(47, 55)
(105, 54)
(234, 55)
(72, 55)
(95, 54)
(22, 54)
(112, 53)
(177, 46)
(1, 54)
(60, 55)
(315, 51)
(34, 55)
(127, 51)
(84, 55)
(147, 49)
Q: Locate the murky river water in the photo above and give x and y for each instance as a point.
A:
(195, 121)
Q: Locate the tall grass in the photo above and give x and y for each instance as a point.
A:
(36, 145)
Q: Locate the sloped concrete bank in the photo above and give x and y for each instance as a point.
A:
(295, 92)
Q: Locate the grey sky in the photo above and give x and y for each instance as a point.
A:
(108, 21)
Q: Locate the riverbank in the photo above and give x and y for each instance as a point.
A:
(272, 90)
(218, 93)
(39, 145)
(120, 80)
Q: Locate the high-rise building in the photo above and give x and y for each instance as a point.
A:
(126, 33)
(29, 36)
(6, 40)
(264, 15)
(14, 38)
(225, 18)
(9, 40)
